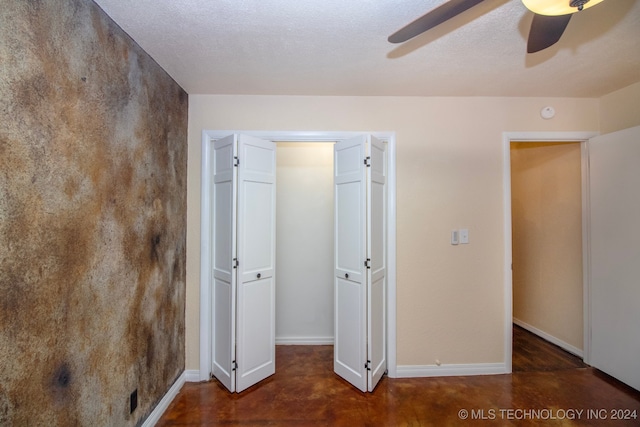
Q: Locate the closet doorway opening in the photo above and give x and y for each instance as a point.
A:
(299, 138)
(304, 248)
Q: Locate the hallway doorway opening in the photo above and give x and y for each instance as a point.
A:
(545, 252)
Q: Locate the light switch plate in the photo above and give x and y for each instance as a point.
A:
(454, 237)
(464, 236)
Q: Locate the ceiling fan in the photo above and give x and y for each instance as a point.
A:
(549, 22)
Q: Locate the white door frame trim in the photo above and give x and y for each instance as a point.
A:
(208, 136)
(507, 138)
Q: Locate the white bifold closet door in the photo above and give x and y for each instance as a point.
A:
(243, 261)
(360, 173)
(614, 209)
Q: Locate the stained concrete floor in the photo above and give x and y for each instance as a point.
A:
(305, 392)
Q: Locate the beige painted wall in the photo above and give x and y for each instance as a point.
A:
(620, 109)
(546, 187)
(304, 236)
(450, 300)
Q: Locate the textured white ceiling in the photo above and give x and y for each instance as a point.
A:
(339, 47)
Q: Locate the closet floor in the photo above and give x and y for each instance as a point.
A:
(305, 392)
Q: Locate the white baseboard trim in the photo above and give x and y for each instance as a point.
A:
(164, 403)
(416, 371)
(553, 340)
(192, 375)
(304, 340)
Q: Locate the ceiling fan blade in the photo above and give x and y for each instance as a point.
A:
(437, 16)
(546, 31)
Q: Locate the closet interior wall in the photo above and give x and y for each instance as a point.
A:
(304, 243)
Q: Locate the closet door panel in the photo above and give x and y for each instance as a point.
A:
(377, 271)
(256, 256)
(224, 200)
(350, 347)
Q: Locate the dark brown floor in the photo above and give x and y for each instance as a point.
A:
(533, 354)
(305, 392)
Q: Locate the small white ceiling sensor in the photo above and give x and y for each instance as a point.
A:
(547, 113)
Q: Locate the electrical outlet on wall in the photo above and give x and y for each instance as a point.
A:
(133, 401)
(464, 236)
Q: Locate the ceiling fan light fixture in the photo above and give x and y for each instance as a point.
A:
(558, 7)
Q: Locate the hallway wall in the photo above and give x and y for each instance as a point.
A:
(620, 109)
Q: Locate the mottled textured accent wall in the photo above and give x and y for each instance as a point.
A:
(93, 157)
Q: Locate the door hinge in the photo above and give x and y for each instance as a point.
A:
(367, 365)
(236, 263)
(234, 366)
(367, 263)
(367, 161)
(236, 161)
